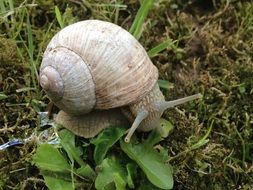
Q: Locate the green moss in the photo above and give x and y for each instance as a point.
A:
(8, 53)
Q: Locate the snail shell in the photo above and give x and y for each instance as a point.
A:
(95, 65)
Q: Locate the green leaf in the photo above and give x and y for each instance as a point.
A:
(68, 143)
(153, 138)
(151, 162)
(162, 46)
(136, 28)
(106, 140)
(58, 16)
(49, 158)
(119, 181)
(111, 173)
(3, 96)
(131, 171)
(165, 128)
(165, 84)
(148, 186)
(56, 182)
(86, 171)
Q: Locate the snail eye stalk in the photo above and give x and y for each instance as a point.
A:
(162, 106)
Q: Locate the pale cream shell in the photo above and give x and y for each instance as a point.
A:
(120, 67)
(68, 83)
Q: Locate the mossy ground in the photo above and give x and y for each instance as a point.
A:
(214, 53)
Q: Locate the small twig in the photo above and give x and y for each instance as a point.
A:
(49, 108)
(8, 129)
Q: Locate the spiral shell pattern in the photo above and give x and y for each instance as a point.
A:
(97, 65)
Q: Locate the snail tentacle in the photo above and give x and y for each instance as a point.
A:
(163, 105)
(141, 115)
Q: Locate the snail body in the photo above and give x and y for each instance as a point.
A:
(90, 124)
(95, 65)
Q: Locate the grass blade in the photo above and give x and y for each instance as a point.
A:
(204, 139)
(2, 8)
(43, 42)
(162, 46)
(22, 14)
(136, 28)
(59, 16)
(3, 96)
(11, 5)
(34, 73)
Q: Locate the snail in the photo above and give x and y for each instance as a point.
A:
(99, 74)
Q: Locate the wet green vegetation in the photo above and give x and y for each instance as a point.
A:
(209, 50)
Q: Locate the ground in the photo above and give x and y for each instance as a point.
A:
(212, 54)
